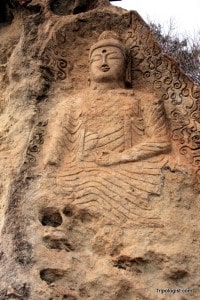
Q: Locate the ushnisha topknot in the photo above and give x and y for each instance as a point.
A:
(109, 38)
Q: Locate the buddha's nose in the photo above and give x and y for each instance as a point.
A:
(104, 61)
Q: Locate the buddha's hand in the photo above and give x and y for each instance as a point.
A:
(108, 158)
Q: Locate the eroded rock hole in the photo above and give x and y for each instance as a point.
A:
(68, 211)
(58, 244)
(5, 13)
(61, 7)
(177, 274)
(50, 216)
(51, 275)
(79, 9)
(69, 297)
(128, 263)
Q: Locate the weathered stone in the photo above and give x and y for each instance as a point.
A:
(99, 160)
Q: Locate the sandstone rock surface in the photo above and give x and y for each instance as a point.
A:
(100, 160)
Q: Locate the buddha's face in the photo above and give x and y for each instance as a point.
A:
(107, 64)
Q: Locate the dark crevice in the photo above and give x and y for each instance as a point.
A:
(58, 243)
(61, 7)
(80, 9)
(5, 14)
(128, 263)
(68, 211)
(51, 275)
(50, 216)
(177, 274)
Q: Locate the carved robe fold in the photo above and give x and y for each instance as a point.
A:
(116, 121)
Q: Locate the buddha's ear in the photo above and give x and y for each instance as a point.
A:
(128, 79)
(128, 75)
(89, 81)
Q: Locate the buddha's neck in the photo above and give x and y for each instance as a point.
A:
(107, 85)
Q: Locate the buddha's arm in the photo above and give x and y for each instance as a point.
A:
(156, 137)
(156, 134)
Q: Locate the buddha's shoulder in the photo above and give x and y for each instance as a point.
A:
(135, 94)
(88, 95)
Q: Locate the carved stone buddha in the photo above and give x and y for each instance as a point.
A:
(108, 142)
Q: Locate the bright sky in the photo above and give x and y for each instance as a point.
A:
(184, 13)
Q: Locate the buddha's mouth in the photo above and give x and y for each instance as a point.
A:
(105, 69)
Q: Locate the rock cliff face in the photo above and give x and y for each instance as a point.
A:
(99, 165)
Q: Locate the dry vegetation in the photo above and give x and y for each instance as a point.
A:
(186, 51)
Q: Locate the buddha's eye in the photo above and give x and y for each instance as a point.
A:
(96, 58)
(114, 57)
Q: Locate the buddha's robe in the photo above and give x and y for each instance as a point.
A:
(88, 124)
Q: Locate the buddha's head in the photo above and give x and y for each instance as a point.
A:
(108, 61)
